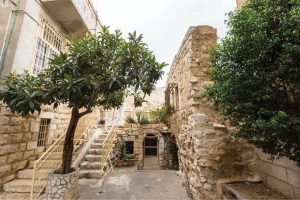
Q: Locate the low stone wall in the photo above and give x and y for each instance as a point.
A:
(282, 175)
(19, 136)
(137, 133)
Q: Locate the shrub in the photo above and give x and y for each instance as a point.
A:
(160, 114)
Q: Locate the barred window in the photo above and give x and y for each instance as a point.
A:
(43, 132)
(49, 42)
(129, 147)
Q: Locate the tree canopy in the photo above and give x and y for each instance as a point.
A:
(256, 74)
(95, 71)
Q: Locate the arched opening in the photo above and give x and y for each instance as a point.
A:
(151, 151)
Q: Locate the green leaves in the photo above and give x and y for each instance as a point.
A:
(256, 71)
(96, 71)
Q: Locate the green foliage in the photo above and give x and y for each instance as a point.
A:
(142, 119)
(130, 120)
(96, 71)
(160, 114)
(256, 71)
(130, 156)
(122, 150)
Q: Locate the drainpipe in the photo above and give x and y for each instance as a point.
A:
(7, 36)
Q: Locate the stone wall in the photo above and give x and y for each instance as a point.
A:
(208, 155)
(282, 175)
(19, 136)
(137, 133)
(240, 3)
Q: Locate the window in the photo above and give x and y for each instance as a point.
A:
(43, 132)
(129, 147)
(49, 42)
(172, 97)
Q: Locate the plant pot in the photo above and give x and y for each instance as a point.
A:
(130, 162)
(119, 163)
(62, 186)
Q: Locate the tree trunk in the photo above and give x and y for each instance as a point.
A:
(68, 145)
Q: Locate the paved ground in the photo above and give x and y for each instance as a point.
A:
(128, 183)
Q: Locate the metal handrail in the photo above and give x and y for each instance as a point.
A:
(107, 146)
(52, 158)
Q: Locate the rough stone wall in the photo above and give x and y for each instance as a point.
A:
(208, 155)
(137, 133)
(19, 136)
(282, 175)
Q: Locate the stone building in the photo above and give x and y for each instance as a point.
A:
(31, 31)
(149, 143)
(208, 155)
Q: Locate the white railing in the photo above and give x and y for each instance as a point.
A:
(52, 158)
(108, 143)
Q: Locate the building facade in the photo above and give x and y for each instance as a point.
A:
(31, 32)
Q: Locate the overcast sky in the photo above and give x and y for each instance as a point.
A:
(164, 22)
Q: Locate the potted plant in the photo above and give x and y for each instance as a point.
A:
(95, 71)
(130, 159)
(121, 154)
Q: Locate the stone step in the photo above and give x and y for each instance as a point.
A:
(96, 145)
(90, 165)
(18, 185)
(246, 190)
(89, 173)
(25, 174)
(102, 136)
(99, 140)
(92, 158)
(95, 151)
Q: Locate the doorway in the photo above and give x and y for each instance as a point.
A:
(151, 151)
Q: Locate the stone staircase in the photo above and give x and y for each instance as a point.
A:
(90, 166)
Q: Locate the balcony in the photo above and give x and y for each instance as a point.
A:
(77, 17)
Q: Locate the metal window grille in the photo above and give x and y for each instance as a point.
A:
(129, 147)
(49, 42)
(43, 132)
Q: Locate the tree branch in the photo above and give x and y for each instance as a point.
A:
(89, 110)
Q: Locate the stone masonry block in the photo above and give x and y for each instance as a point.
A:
(34, 127)
(4, 120)
(280, 186)
(5, 170)
(15, 157)
(4, 138)
(19, 165)
(47, 115)
(3, 160)
(273, 170)
(293, 177)
(297, 193)
(9, 148)
(31, 145)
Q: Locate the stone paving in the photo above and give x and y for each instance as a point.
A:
(128, 183)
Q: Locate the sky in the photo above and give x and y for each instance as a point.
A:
(164, 23)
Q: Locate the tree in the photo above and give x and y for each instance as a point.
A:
(256, 74)
(96, 71)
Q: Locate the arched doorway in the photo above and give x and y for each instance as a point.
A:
(151, 151)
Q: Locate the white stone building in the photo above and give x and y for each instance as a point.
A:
(31, 31)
